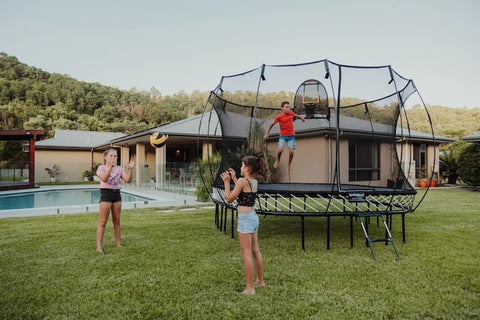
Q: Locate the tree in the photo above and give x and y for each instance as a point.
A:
(26, 93)
(39, 122)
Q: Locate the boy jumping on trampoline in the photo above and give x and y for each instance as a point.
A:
(287, 132)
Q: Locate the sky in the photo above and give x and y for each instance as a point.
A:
(188, 45)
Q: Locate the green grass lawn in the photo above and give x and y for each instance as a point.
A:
(177, 265)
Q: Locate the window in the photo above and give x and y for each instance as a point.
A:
(363, 160)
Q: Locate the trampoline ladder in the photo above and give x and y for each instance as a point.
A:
(388, 235)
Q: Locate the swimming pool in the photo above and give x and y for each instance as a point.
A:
(58, 198)
(48, 200)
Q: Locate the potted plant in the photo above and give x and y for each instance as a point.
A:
(434, 181)
(422, 176)
(90, 174)
(396, 179)
(87, 175)
(53, 172)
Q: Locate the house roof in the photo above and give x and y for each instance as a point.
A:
(348, 125)
(77, 139)
(206, 125)
(185, 128)
(363, 127)
(190, 126)
(472, 138)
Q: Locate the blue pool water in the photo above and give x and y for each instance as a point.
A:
(59, 197)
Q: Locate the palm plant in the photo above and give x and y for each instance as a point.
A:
(54, 171)
(449, 166)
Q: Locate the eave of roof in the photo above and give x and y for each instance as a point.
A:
(76, 139)
(472, 138)
(197, 127)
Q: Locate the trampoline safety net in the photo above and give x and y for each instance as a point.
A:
(353, 152)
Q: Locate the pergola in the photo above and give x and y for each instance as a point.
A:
(31, 136)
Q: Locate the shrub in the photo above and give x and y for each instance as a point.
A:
(202, 171)
(449, 166)
(469, 165)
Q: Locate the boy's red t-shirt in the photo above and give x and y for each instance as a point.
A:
(285, 121)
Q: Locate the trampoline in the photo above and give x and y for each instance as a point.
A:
(354, 153)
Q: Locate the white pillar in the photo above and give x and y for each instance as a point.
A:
(125, 158)
(207, 150)
(160, 162)
(141, 160)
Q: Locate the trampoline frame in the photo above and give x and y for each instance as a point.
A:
(361, 202)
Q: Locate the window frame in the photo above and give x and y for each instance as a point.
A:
(363, 168)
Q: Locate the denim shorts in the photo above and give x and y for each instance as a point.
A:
(248, 222)
(110, 195)
(290, 140)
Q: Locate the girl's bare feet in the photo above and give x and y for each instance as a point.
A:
(99, 250)
(249, 292)
(259, 284)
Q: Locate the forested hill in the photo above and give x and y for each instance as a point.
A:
(31, 98)
(448, 122)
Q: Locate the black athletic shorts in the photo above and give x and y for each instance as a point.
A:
(110, 195)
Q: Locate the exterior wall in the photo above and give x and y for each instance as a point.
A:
(314, 162)
(146, 165)
(97, 158)
(386, 163)
(72, 163)
(310, 162)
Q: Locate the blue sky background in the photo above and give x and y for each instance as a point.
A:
(189, 44)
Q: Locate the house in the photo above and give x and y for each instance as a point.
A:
(173, 162)
(315, 159)
(200, 135)
(75, 151)
(72, 151)
(316, 139)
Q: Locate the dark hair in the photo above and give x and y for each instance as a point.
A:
(284, 103)
(257, 164)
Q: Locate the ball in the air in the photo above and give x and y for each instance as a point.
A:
(158, 139)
